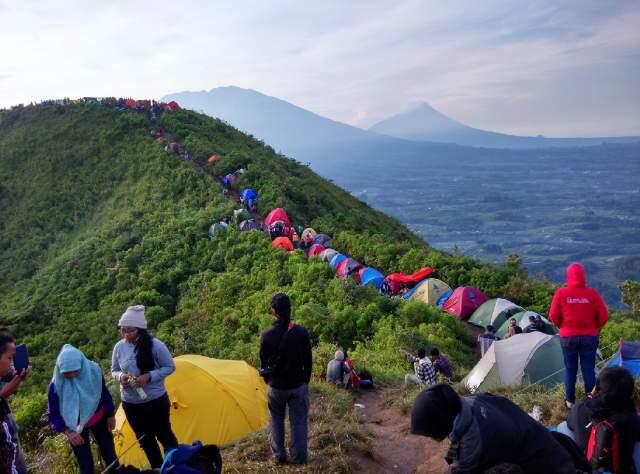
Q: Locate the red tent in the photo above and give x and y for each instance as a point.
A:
(213, 159)
(173, 105)
(464, 301)
(394, 282)
(315, 249)
(131, 103)
(282, 243)
(160, 139)
(277, 214)
(347, 267)
(174, 146)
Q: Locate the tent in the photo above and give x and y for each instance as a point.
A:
(522, 318)
(282, 243)
(429, 291)
(315, 250)
(322, 239)
(173, 146)
(464, 301)
(249, 194)
(444, 297)
(216, 228)
(328, 254)
(534, 358)
(628, 356)
(213, 159)
(370, 276)
(277, 214)
(394, 282)
(347, 267)
(212, 400)
(336, 260)
(308, 235)
(248, 225)
(173, 105)
(494, 312)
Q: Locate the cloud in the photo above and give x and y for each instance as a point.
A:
(494, 64)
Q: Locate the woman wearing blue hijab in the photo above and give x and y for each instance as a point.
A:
(79, 404)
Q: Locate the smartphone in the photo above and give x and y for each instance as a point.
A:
(20, 362)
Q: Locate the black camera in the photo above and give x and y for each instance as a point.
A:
(265, 372)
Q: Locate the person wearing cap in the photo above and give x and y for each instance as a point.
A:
(79, 405)
(140, 363)
(338, 372)
(286, 363)
(485, 431)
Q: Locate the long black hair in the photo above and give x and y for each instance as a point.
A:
(144, 352)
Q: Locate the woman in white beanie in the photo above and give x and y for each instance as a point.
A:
(140, 364)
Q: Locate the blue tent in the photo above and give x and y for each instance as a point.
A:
(249, 194)
(371, 276)
(336, 260)
(628, 356)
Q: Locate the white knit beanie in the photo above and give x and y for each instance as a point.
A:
(133, 317)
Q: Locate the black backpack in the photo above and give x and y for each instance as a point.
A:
(603, 450)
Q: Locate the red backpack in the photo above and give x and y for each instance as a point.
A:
(603, 448)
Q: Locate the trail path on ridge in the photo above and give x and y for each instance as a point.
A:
(395, 450)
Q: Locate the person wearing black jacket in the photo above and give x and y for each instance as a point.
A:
(486, 431)
(285, 361)
(611, 400)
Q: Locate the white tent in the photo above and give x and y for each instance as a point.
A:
(524, 358)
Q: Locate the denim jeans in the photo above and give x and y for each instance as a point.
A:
(582, 348)
(104, 440)
(152, 420)
(297, 400)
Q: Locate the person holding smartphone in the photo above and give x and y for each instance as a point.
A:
(140, 363)
(11, 457)
(80, 404)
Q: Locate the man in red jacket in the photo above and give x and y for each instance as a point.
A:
(580, 313)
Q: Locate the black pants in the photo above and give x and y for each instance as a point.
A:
(104, 440)
(152, 420)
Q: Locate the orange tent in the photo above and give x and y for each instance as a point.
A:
(282, 243)
(213, 159)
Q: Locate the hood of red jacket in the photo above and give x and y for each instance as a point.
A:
(576, 276)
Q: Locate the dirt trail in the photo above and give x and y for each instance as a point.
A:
(394, 449)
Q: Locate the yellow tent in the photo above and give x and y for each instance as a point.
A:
(212, 400)
(430, 290)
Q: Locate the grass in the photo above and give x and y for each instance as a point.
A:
(334, 433)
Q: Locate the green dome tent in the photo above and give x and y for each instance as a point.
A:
(495, 312)
(534, 358)
(522, 318)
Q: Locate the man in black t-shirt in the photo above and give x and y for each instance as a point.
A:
(285, 360)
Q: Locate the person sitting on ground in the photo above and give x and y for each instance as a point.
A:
(338, 372)
(536, 324)
(424, 373)
(441, 363)
(612, 399)
(80, 404)
(487, 338)
(486, 431)
(354, 377)
(513, 328)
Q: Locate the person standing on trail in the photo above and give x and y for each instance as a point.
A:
(424, 374)
(579, 312)
(285, 364)
(486, 431)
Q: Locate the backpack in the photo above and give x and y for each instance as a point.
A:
(603, 450)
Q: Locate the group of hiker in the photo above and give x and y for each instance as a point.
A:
(80, 405)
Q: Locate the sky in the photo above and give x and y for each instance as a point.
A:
(551, 67)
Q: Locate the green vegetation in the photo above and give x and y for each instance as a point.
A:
(96, 216)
